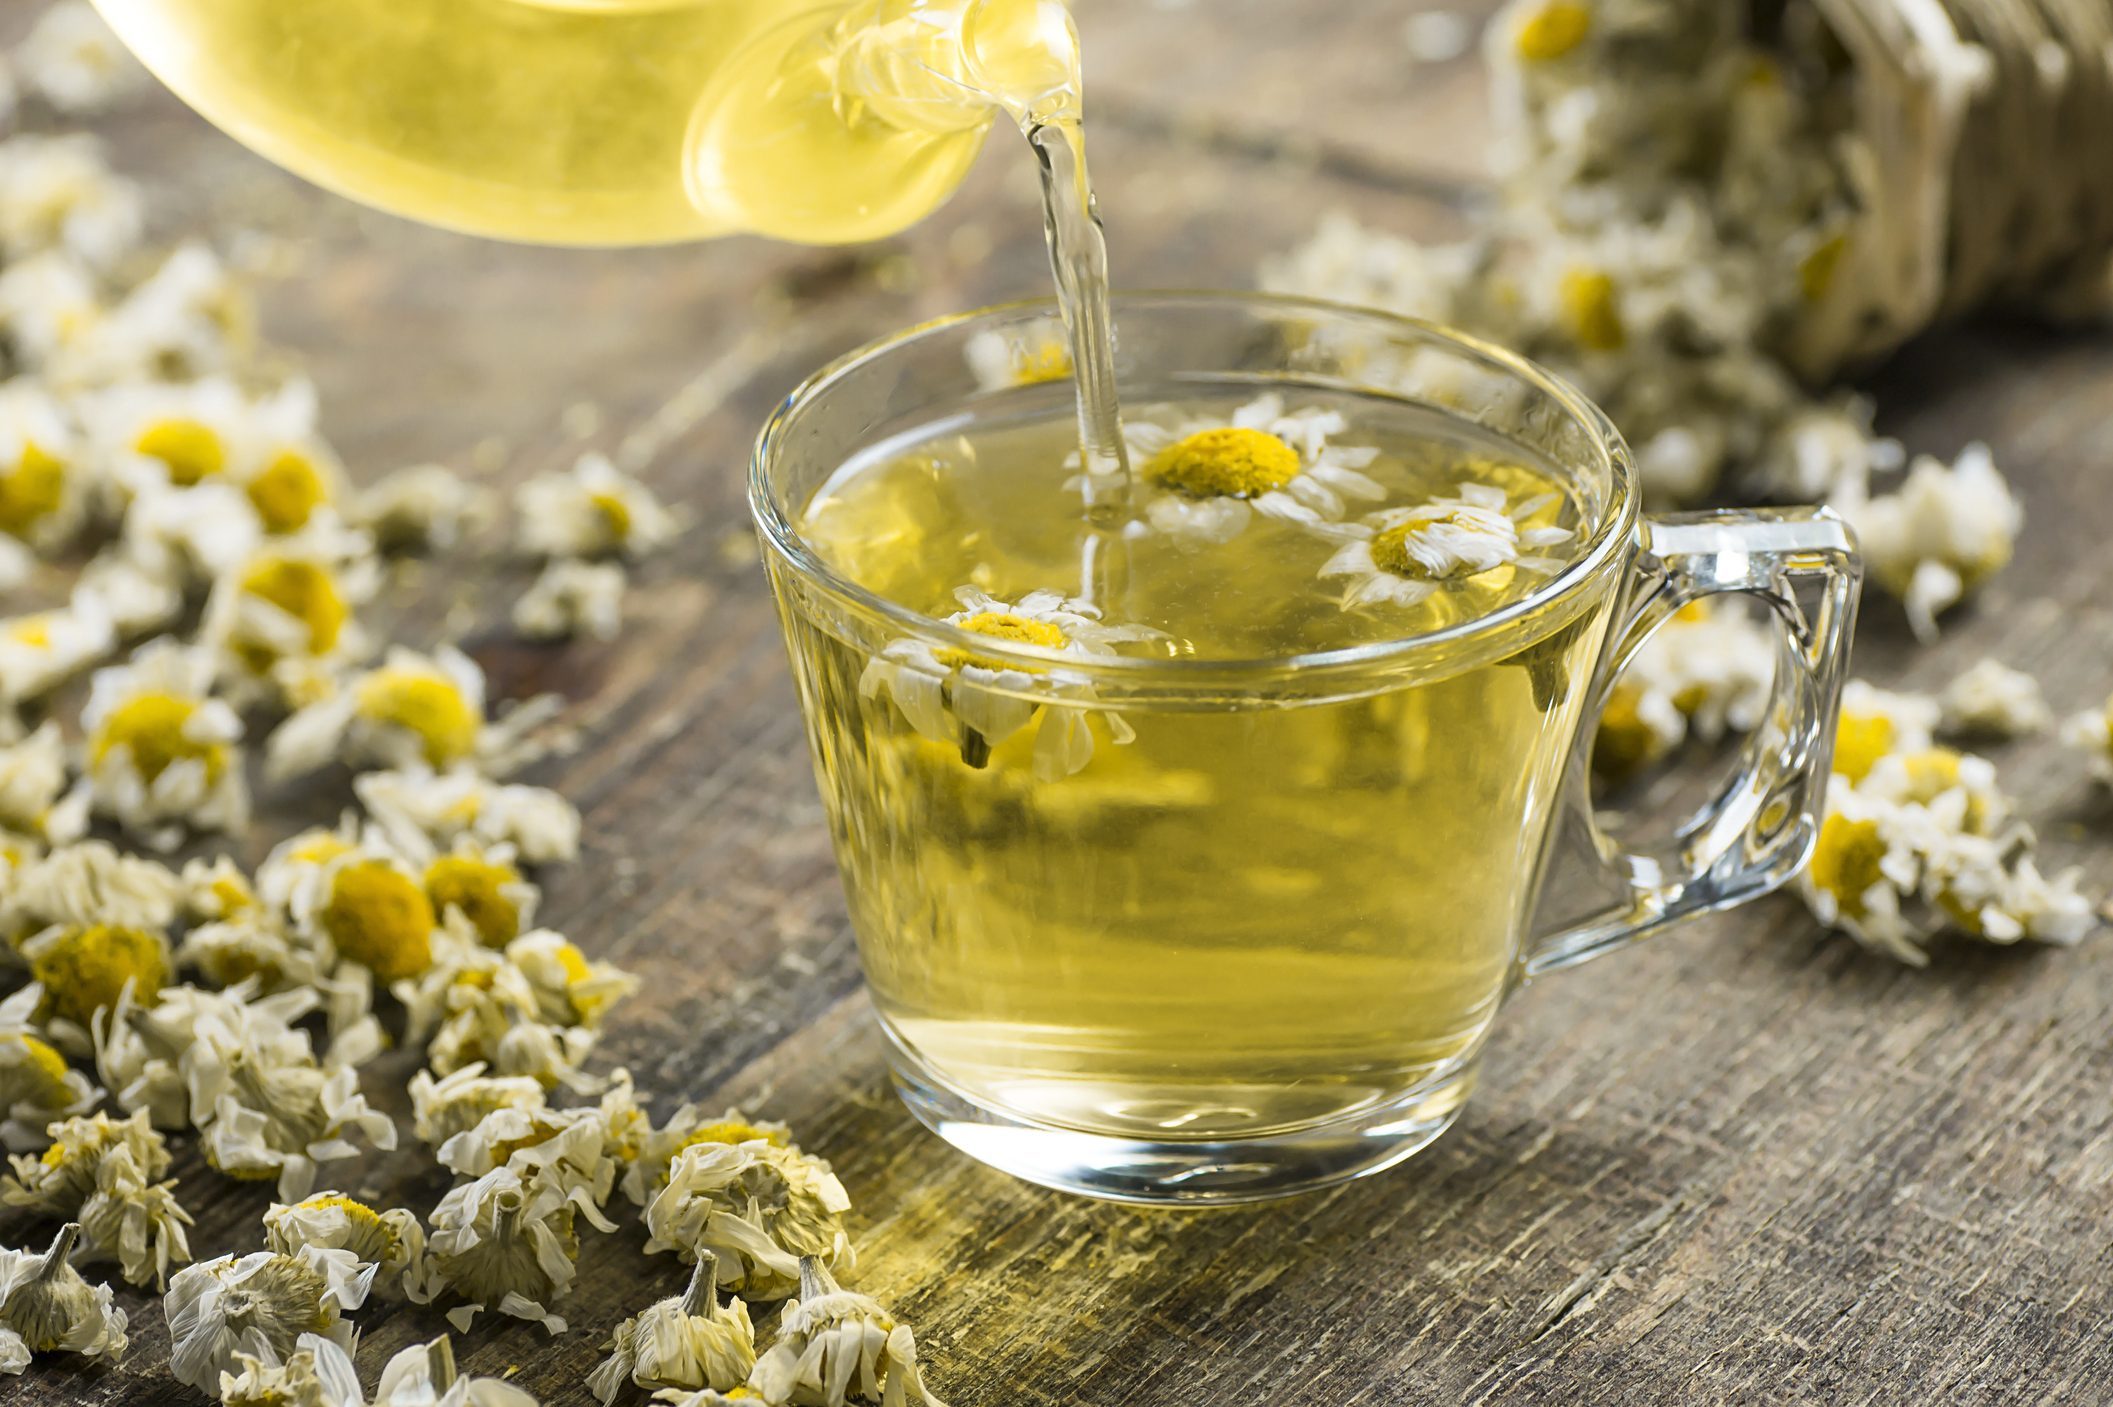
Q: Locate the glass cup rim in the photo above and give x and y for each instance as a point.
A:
(1615, 528)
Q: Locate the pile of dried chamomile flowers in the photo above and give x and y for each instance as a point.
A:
(187, 577)
(1674, 198)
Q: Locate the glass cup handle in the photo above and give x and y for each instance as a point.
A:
(1760, 828)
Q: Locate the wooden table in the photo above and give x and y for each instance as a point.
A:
(1747, 1162)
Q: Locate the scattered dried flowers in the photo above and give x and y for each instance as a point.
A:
(834, 1344)
(46, 1307)
(692, 1341)
(259, 1307)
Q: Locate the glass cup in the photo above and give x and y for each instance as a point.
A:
(1252, 942)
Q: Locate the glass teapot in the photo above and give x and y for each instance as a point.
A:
(619, 121)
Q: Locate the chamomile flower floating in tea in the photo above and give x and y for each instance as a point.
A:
(1992, 700)
(164, 754)
(260, 1306)
(506, 1244)
(570, 598)
(592, 510)
(111, 1176)
(689, 1342)
(46, 1307)
(1946, 531)
(1215, 477)
(1031, 355)
(951, 695)
(834, 1345)
(1400, 556)
(392, 1241)
(320, 1373)
(758, 1207)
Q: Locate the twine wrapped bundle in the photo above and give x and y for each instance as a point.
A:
(1989, 126)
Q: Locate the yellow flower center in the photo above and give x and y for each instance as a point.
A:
(1821, 263)
(1590, 312)
(1225, 463)
(1390, 546)
(305, 591)
(85, 969)
(191, 450)
(616, 515)
(732, 1131)
(151, 727)
(1003, 625)
(32, 631)
(477, 888)
(379, 917)
(1860, 739)
(287, 492)
(232, 893)
(1933, 772)
(1552, 31)
(424, 703)
(1042, 363)
(358, 1213)
(49, 1065)
(1847, 860)
(33, 490)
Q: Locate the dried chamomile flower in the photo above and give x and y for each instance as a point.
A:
(49, 302)
(1924, 775)
(504, 1243)
(259, 1306)
(71, 60)
(79, 886)
(1868, 869)
(1993, 701)
(59, 192)
(164, 754)
(136, 597)
(1029, 355)
(266, 1108)
(475, 1007)
(185, 538)
(427, 507)
(43, 481)
(254, 944)
(84, 968)
(834, 1345)
(190, 320)
(216, 889)
(425, 1376)
(37, 1086)
(688, 1342)
(319, 1374)
(1874, 722)
(2010, 900)
(756, 1206)
(361, 899)
(412, 710)
(571, 597)
(46, 1307)
(688, 1126)
(294, 484)
(284, 620)
(1400, 556)
(179, 434)
(392, 1241)
(570, 989)
(110, 1175)
(707, 1397)
(462, 1099)
(1212, 478)
(580, 1150)
(956, 697)
(1941, 534)
(480, 883)
(32, 779)
(591, 510)
(542, 826)
(40, 651)
(2091, 732)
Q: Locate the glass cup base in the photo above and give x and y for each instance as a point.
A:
(1181, 1172)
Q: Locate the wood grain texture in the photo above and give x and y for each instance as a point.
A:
(1743, 1163)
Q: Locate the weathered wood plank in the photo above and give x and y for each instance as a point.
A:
(1742, 1163)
